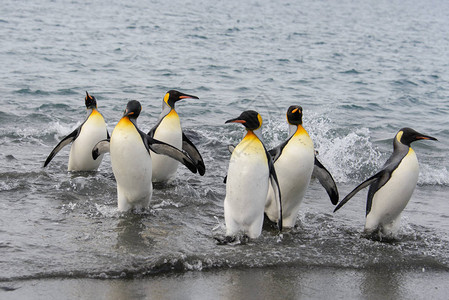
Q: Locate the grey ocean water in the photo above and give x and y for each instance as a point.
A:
(361, 70)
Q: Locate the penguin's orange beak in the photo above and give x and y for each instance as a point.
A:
(188, 96)
(426, 137)
(235, 121)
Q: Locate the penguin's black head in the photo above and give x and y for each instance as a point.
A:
(294, 115)
(407, 135)
(90, 101)
(250, 119)
(133, 109)
(172, 96)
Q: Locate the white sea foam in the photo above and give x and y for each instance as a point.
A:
(61, 130)
(433, 175)
(347, 155)
(106, 210)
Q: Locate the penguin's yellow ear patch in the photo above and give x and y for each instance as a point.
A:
(260, 120)
(166, 97)
(399, 135)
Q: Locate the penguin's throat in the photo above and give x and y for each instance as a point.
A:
(250, 142)
(254, 134)
(296, 130)
(398, 145)
(90, 111)
(173, 113)
(127, 121)
(166, 109)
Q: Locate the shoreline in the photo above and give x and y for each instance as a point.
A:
(284, 282)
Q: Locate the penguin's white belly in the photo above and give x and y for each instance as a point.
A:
(293, 169)
(131, 165)
(389, 201)
(168, 131)
(246, 191)
(80, 158)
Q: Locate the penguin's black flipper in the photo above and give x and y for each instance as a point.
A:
(277, 192)
(326, 180)
(101, 147)
(160, 147)
(231, 148)
(64, 142)
(276, 189)
(381, 176)
(277, 151)
(153, 130)
(194, 154)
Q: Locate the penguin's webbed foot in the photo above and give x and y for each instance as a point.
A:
(268, 224)
(226, 240)
(379, 236)
(232, 240)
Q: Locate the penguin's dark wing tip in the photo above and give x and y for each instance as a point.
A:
(361, 186)
(64, 142)
(326, 180)
(159, 147)
(100, 148)
(194, 154)
(201, 169)
(190, 165)
(276, 188)
(343, 202)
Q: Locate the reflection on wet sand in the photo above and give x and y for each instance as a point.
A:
(384, 283)
(286, 282)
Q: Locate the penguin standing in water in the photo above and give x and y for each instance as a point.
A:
(129, 148)
(250, 173)
(295, 162)
(392, 187)
(168, 130)
(83, 139)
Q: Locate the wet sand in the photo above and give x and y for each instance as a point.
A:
(256, 283)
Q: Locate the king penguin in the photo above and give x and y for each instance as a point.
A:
(168, 129)
(129, 148)
(392, 187)
(250, 172)
(295, 162)
(83, 139)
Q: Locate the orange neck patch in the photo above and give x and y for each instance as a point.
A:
(124, 122)
(301, 131)
(172, 114)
